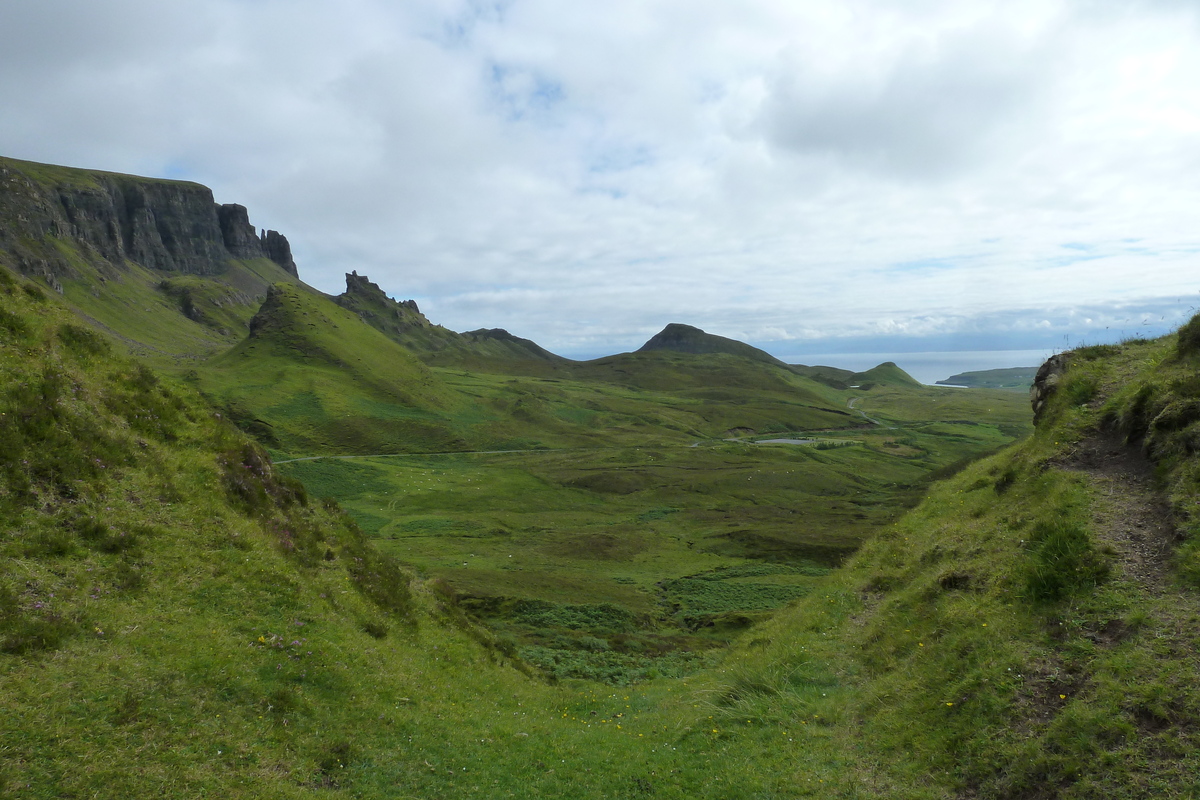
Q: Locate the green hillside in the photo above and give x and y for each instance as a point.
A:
(480, 570)
(487, 349)
(177, 618)
(313, 377)
(681, 338)
(886, 374)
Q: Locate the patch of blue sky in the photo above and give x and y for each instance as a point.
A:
(178, 171)
(611, 192)
(457, 31)
(522, 95)
(925, 265)
(620, 159)
(1067, 261)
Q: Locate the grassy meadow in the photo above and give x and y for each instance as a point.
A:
(633, 549)
(629, 605)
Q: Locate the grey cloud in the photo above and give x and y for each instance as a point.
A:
(584, 174)
(932, 109)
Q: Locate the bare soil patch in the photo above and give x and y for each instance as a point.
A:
(1132, 517)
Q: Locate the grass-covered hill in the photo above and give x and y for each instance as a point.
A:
(314, 377)
(176, 618)
(681, 338)
(491, 350)
(886, 374)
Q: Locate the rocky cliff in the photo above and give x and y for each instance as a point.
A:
(171, 226)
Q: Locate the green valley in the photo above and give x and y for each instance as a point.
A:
(263, 542)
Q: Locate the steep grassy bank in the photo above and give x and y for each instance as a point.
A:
(1031, 629)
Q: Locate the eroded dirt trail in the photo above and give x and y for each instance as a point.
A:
(1132, 517)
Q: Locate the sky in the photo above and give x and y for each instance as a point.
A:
(809, 176)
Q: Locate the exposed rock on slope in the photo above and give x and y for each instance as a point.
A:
(242, 242)
(1045, 383)
(164, 225)
(403, 322)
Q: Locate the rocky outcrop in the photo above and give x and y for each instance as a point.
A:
(172, 226)
(1046, 382)
(239, 236)
(242, 242)
(402, 322)
(372, 304)
(275, 247)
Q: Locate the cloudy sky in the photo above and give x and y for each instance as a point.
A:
(808, 175)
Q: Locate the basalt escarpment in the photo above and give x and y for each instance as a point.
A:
(55, 216)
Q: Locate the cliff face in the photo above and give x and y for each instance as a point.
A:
(171, 226)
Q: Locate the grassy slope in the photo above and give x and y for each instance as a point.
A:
(315, 377)
(173, 617)
(1002, 640)
(177, 620)
(980, 645)
(173, 319)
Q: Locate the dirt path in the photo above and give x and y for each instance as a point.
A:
(850, 405)
(1131, 517)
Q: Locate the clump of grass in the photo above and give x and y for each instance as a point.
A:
(1187, 341)
(1079, 389)
(1063, 561)
(82, 342)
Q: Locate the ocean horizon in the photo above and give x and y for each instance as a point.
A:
(928, 367)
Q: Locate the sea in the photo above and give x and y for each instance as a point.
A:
(927, 367)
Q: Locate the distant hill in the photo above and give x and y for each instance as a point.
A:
(403, 323)
(1017, 379)
(687, 339)
(886, 373)
(830, 376)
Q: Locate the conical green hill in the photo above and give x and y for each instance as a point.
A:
(688, 339)
(314, 377)
(887, 374)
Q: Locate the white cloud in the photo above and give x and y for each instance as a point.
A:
(583, 174)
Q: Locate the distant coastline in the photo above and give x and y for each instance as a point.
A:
(930, 367)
